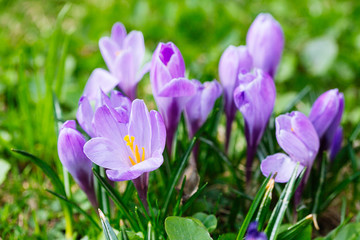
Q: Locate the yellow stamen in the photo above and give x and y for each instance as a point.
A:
(117, 53)
(292, 129)
(138, 158)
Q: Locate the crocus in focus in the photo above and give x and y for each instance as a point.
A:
(129, 151)
(200, 105)
(255, 99)
(170, 88)
(265, 42)
(298, 138)
(119, 105)
(123, 54)
(326, 114)
(233, 61)
(253, 233)
(72, 157)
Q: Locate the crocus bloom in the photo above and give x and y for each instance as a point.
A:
(123, 54)
(128, 150)
(253, 233)
(336, 143)
(119, 105)
(170, 88)
(200, 105)
(326, 114)
(265, 41)
(298, 138)
(72, 157)
(255, 99)
(233, 61)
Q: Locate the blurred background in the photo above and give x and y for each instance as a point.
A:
(51, 47)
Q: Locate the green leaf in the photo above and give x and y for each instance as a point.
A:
(4, 168)
(179, 228)
(298, 231)
(256, 202)
(209, 221)
(108, 231)
(52, 175)
(115, 196)
(349, 232)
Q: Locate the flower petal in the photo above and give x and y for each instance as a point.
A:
(179, 87)
(85, 115)
(99, 79)
(107, 153)
(135, 43)
(108, 49)
(118, 34)
(158, 132)
(140, 126)
(281, 164)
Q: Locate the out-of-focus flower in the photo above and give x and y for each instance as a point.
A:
(265, 42)
(298, 138)
(253, 233)
(72, 157)
(171, 89)
(326, 114)
(128, 150)
(200, 105)
(255, 99)
(336, 143)
(118, 104)
(234, 60)
(123, 54)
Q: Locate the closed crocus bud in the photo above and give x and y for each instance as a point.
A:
(326, 114)
(298, 138)
(171, 89)
(265, 42)
(234, 60)
(200, 105)
(72, 157)
(255, 99)
(123, 54)
(253, 233)
(336, 143)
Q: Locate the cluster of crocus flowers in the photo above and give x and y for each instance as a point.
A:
(297, 136)
(171, 89)
(72, 157)
(129, 151)
(325, 115)
(264, 46)
(255, 99)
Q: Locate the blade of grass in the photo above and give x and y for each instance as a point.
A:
(192, 199)
(321, 184)
(73, 204)
(296, 229)
(108, 231)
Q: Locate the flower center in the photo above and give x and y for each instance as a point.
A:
(130, 142)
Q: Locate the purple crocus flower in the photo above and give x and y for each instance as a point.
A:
(255, 99)
(129, 151)
(265, 41)
(233, 61)
(326, 114)
(298, 138)
(123, 54)
(119, 105)
(170, 88)
(253, 233)
(200, 105)
(336, 143)
(72, 157)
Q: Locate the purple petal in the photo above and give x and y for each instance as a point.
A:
(140, 126)
(85, 115)
(179, 87)
(145, 69)
(109, 49)
(118, 34)
(281, 164)
(99, 79)
(171, 57)
(265, 41)
(336, 143)
(107, 153)
(324, 110)
(134, 42)
(135, 171)
(158, 132)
